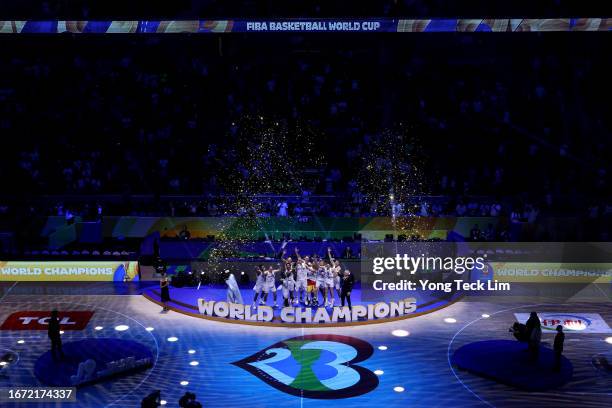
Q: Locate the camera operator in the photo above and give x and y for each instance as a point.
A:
(153, 400)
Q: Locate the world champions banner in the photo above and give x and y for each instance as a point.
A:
(306, 315)
(85, 271)
(304, 25)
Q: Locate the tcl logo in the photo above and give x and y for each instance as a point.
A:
(39, 320)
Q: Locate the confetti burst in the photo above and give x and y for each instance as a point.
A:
(265, 157)
(391, 171)
(269, 156)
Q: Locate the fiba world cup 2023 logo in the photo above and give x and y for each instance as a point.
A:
(322, 366)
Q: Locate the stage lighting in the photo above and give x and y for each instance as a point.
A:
(122, 327)
(485, 316)
(172, 339)
(191, 351)
(98, 328)
(149, 329)
(609, 340)
(183, 383)
(400, 333)
(450, 320)
(379, 372)
(398, 389)
(194, 363)
(20, 341)
(383, 348)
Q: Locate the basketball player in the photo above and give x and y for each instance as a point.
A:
(321, 281)
(259, 284)
(301, 274)
(338, 278)
(270, 284)
(288, 284)
(288, 280)
(311, 284)
(336, 269)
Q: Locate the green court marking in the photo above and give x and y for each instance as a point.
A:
(306, 378)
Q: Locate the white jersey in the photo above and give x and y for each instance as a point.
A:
(270, 278)
(302, 272)
(337, 272)
(270, 282)
(260, 282)
(311, 275)
(287, 277)
(326, 278)
(321, 274)
(288, 283)
(260, 279)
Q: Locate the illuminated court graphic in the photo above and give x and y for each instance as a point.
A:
(396, 363)
(315, 366)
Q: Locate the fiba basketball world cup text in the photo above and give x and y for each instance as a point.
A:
(313, 25)
(298, 314)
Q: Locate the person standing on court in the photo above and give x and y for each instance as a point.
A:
(164, 285)
(53, 330)
(347, 282)
(558, 347)
(534, 333)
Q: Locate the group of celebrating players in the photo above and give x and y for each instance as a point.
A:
(303, 279)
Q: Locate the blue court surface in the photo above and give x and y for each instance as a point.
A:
(508, 362)
(129, 348)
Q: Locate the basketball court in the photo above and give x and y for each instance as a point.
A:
(398, 363)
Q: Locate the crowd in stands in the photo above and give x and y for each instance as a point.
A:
(507, 126)
(296, 206)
